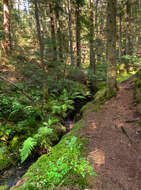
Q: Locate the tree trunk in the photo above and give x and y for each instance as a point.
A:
(59, 35)
(70, 33)
(92, 54)
(96, 31)
(128, 28)
(39, 33)
(111, 45)
(96, 16)
(120, 37)
(53, 36)
(78, 37)
(128, 33)
(6, 23)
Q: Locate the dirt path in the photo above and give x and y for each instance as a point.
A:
(116, 161)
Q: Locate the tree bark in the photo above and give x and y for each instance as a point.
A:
(78, 37)
(39, 33)
(6, 23)
(59, 35)
(92, 54)
(53, 36)
(111, 45)
(70, 33)
(120, 37)
(128, 28)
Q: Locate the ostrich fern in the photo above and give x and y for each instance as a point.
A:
(30, 143)
(27, 148)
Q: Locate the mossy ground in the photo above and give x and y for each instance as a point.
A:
(137, 93)
(4, 162)
(137, 87)
(3, 187)
(37, 171)
(100, 98)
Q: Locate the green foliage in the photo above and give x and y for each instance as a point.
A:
(12, 109)
(132, 61)
(51, 121)
(123, 76)
(27, 148)
(100, 74)
(3, 187)
(44, 139)
(67, 167)
(59, 106)
(138, 84)
(57, 86)
(5, 159)
(5, 106)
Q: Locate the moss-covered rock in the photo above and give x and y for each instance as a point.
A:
(99, 98)
(137, 87)
(3, 187)
(88, 106)
(36, 176)
(100, 95)
(59, 129)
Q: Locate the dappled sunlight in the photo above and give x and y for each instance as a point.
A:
(93, 125)
(97, 156)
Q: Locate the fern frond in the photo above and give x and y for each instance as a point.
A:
(43, 131)
(27, 148)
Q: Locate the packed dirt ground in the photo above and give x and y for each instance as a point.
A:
(115, 142)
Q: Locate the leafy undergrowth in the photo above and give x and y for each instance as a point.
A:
(124, 76)
(26, 129)
(64, 166)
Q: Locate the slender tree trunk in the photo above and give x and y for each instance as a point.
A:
(128, 28)
(59, 35)
(96, 30)
(128, 32)
(78, 37)
(39, 33)
(120, 36)
(92, 54)
(96, 16)
(6, 23)
(70, 33)
(111, 45)
(53, 36)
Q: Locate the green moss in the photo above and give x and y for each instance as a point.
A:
(3, 187)
(124, 76)
(100, 95)
(4, 162)
(110, 94)
(37, 172)
(137, 89)
(97, 107)
(59, 129)
(138, 84)
(138, 100)
(87, 106)
(139, 123)
(99, 99)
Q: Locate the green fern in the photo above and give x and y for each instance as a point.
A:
(27, 148)
(43, 131)
(30, 143)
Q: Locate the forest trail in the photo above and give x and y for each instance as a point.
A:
(116, 161)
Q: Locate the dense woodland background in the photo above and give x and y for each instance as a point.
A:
(59, 34)
(54, 56)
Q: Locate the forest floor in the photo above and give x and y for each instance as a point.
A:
(115, 159)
